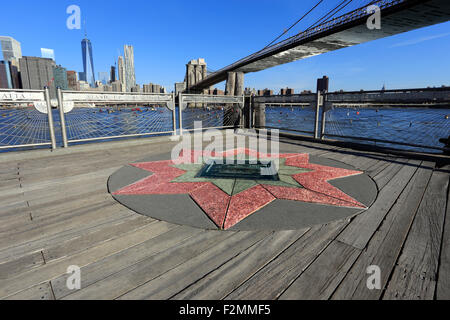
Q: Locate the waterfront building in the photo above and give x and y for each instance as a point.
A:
(9, 75)
(48, 53)
(84, 86)
(286, 92)
(147, 88)
(136, 88)
(103, 77)
(88, 62)
(112, 76)
(72, 81)
(5, 75)
(180, 87)
(130, 75)
(60, 77)
(122, 75)
(11, 48)
(116, 86)
(37, 73)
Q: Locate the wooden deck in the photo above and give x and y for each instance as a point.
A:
(55, 211)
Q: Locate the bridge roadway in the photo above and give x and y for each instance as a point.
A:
(425, 96)
(56, 211)
(397, 16)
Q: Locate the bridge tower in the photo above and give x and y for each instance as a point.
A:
(196, 71)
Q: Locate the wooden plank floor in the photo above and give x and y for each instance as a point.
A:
(55, 212)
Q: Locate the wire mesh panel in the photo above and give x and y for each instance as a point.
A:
(295, 118)
(211, 111)
(210, 115)
(24, 121)
(87, 123)
(407, 128)
(99, 116)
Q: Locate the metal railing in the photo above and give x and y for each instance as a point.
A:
(93, 116)
(213, 111)
(26, 119)
(413, 127)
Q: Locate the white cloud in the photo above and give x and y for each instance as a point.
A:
(419, 40)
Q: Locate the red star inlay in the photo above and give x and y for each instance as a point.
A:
(227, 210)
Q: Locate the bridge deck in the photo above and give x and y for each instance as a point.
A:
(56, 212)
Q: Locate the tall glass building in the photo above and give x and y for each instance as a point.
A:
(88, 62)
(11, 48)
(130, 75)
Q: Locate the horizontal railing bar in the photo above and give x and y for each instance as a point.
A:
(122, 136)
(200, 129)
(21, 90)
(301, 131)
(117, 93)
(26, 145)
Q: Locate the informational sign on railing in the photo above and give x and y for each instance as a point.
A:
(18, 96)
(104, 97)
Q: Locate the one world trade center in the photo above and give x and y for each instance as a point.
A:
(88, 62)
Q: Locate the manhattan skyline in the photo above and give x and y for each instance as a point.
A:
(165, 39)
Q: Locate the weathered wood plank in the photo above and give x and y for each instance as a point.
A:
(321, 278)
(107, 232)
(138, 254)
(415, 275)
(22, 264)
(55, 269)
(443, 279)
(272, 280)
(362, 228)
(41, 291)
(217, 284)
(140, 273)
(385, 246)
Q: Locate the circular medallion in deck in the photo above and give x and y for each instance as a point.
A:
(242, 189)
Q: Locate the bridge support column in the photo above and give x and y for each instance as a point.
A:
(260, 115)
(231, 84)
(239, 88)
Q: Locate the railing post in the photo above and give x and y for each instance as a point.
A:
(62, 117)
(174, 115)
(180, 115)
(50, 118)
(324, 114)
(316, 125)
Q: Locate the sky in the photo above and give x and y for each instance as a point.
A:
(168, 34)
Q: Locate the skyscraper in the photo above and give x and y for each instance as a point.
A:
(88, 62)
(121, 71)
(48, 53)
(72, 80)
(103, 77)
(11, 48)
(37, 73)
(60, 76)
(113, 74)
(130, 75)
(5, 75)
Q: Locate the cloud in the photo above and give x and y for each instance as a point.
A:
(419, 40)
